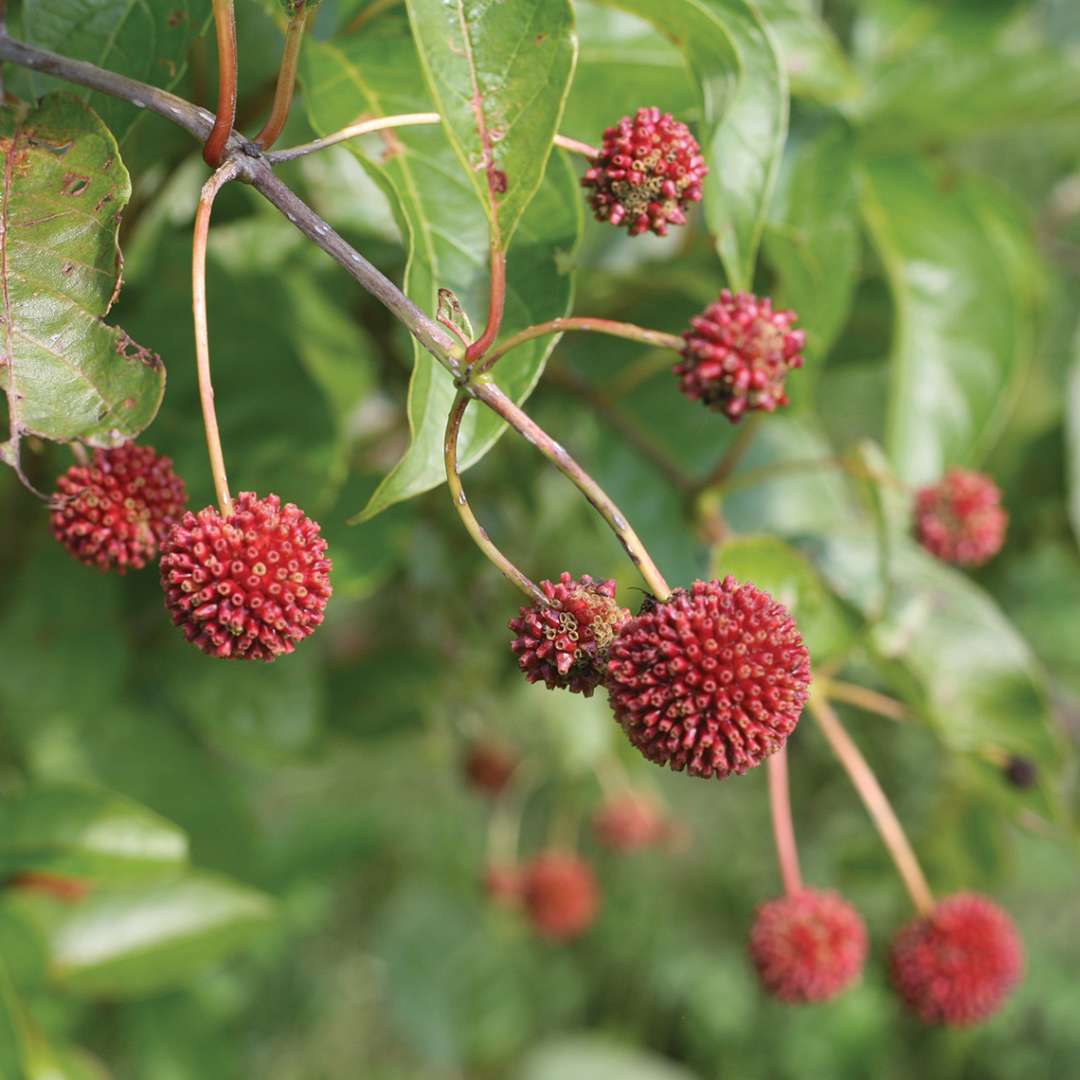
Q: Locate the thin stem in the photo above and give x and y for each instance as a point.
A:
(867, 700)
(632, 432)
(576, 147)
(353, 131)
(496, 303)
(377, 7)
(468, 518)
(498, 402)
(286, 82)
(876, 803)
(225, 25)
(224, 174)
(733, 455)
(601, 326)
(783, 830)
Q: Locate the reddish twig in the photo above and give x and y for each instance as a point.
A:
(225, 25)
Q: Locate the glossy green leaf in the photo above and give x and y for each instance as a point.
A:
(816, 64)
(966, 668)
(586, 1057)
(1072, 441)
(962, 335)
(744, 98)
(791, 580)
(377, 72)
(68, 374)
(134, 941)
(812, 238)
(86, 833)
(145, 41)
(499, 73)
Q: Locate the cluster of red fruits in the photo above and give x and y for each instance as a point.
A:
(246, 586)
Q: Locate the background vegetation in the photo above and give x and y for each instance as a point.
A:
(286, 861)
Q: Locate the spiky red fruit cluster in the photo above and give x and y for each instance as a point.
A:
(114, 512)
(738, 353)
(249, 586)
(808, 946)
(958, 964)
(565, 643)
(711, 681)
(647, 173)
(560, 894)
(629, 823)
(960, 520)
(488, 766)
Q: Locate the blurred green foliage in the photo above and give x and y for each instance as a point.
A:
(284, 862)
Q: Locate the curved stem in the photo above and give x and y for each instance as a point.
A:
(876, 803)
(783, 830)
(496, 304)
(353, 131)
(733, 455)
(227, 172)
(625, 330)
(468, 518)
(225, 24)
(867, 700)
(521, 422)
(286, 83)
(576, 147)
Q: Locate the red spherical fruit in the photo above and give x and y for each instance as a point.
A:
(712, 681)
(647, 173)
(565, 643)
(629, 823)
(488, 766)
(114, 512)
(808, 946)
(738, 353)
(958, 964)
(560, 895)
(248, 586)
(960, 520)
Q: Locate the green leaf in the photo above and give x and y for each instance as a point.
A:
(744, 100)
(145, 41)
(962, 335)
(499, 74)
(85, 833)
(812, 238)
(1072, 440)
(134, 941)
(587, 1057)
(791, 580)
(816, 64)
(68, 375)
(966, 668)
(377, 72)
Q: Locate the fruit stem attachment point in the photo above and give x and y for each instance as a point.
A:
(286, 83)
(876, 802)
(225, 25)
(227, 172)
(461, 504)
(576, 147)
(787, 853)
(628, 331)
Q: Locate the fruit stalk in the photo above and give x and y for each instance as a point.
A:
(876, 802)
(468, 518)
(783, 830)
(210, 190)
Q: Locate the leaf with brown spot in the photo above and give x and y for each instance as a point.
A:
(66, 373)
